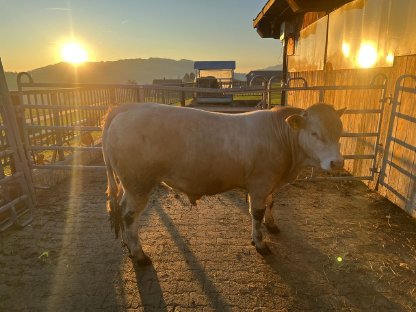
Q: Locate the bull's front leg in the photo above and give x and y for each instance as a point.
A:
(269, 221)
(257, 211)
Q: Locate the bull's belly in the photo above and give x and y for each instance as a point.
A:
(199, 187)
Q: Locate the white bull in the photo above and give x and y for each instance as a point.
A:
(204, 153)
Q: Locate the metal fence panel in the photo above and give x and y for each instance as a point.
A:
(362, 121)
(17, 195)
(398, 171)
(60, 122)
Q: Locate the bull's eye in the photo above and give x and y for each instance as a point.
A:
(315, 135)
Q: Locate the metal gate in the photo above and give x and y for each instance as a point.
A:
(360, 140)
(61, 122)
(17, 195)
(398, 170)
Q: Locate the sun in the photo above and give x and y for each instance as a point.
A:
(74, 53)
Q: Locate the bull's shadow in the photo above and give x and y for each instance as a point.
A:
(148, 284)
(309, 272)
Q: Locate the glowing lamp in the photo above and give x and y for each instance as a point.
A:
(367, 55)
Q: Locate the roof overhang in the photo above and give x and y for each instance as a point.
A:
(275, 12)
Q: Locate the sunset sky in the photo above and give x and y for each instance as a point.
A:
(32, 33)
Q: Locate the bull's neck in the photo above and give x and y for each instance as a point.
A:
(289, 140)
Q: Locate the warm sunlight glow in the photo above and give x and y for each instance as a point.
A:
(346, 49)
(73, 53)
(367, 55)
(390, 58)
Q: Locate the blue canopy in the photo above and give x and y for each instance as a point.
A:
(205, 65)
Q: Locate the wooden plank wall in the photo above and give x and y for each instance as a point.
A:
(368, 123)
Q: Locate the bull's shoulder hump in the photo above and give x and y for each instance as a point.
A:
(286, 111)
(130, 108)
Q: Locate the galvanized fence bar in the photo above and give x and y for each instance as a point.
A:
(17, 192)
(401, 181)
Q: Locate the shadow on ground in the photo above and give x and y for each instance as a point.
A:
(341, 248)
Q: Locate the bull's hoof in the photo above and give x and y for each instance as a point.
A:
(272, 228)
(144, 262)
(263, 251)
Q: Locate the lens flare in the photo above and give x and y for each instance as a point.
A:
(390, 58)
(346, 49)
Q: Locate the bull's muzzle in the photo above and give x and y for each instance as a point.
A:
(337, 164)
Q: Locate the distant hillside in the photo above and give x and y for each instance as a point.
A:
(274, 67)
(141, 71)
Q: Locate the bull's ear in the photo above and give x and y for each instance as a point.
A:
(296, 122)
(341, 111)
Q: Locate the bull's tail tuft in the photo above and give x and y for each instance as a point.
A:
(114, 208)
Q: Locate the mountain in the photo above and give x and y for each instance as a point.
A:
(141, 71)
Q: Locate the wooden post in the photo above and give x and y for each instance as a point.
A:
(284, 72)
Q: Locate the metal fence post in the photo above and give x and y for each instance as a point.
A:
(113, 96)
(140, 94)
(182, 96)
(57, 122)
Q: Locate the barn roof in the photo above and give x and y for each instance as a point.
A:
(214, 65)
(275, 12)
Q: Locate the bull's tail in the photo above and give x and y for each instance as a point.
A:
(114, 188)
(114, 193)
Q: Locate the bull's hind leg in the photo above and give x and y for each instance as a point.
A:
(269, 221)
(257, 210)
(134, 206)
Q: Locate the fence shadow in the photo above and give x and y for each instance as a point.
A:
(199, 275)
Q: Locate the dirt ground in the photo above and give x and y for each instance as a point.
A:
(341, 248)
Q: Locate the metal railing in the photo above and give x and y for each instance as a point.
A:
(398, 171)
(63, 120)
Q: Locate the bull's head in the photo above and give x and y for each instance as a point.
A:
(320, 129)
